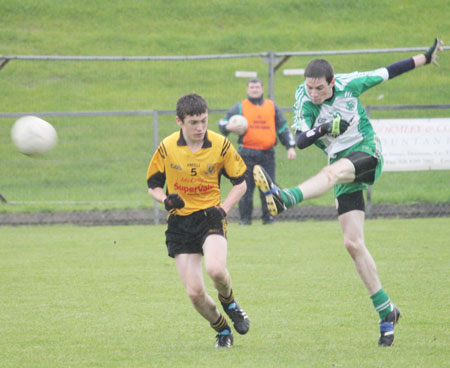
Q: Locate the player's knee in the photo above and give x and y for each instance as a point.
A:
(340, 172)
(196, 293)
(331, 174)
(353, 246)
(216, 273)
(197, 296)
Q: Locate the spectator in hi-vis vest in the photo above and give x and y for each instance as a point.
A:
(256, 145)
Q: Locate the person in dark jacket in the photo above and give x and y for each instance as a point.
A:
(256, 146)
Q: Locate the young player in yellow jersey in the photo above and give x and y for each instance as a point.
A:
(189, 164)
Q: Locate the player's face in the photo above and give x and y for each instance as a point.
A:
(319, 89)
(194, 127)
(255, 90)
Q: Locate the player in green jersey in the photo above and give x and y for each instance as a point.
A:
(329, 114)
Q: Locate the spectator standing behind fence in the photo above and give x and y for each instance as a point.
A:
(265, 123)
(328, 113)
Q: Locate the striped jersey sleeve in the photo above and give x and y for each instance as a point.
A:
(359, 82)
(304, 110)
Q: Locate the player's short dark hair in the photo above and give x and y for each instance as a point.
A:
(255, 80)
(191, 104)
(319, 68)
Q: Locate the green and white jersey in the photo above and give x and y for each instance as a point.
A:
(346, 104)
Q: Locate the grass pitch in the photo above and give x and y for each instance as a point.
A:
(110, 297)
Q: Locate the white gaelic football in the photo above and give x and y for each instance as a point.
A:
(33, 136)
(238, 124)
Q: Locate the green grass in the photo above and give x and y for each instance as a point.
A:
(101, 162)
(110, 296)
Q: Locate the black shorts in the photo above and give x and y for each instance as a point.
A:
(347, 202)
(365, 169)
(186, 234)
(365, 166)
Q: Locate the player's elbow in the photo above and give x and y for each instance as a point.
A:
(151, 193)
(243, 187)
(240, 189)
(301, 141)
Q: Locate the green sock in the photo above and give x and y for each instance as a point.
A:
(291, 196)
(382, 303)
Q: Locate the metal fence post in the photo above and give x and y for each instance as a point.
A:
(369, 188)
(368, 201)
(155, 147)
(271, 76)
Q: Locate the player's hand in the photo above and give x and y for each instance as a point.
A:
(173, 201)
(335, 127)
(214, 216)
(431, 54)
(223, 125)
(291, 154)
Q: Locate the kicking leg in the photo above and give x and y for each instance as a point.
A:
(278, 200)
(340, 172)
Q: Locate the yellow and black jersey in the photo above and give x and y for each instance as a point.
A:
(195, 176)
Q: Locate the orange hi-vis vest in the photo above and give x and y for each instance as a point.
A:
(261, 133)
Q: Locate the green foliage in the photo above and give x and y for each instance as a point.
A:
(110, 296)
